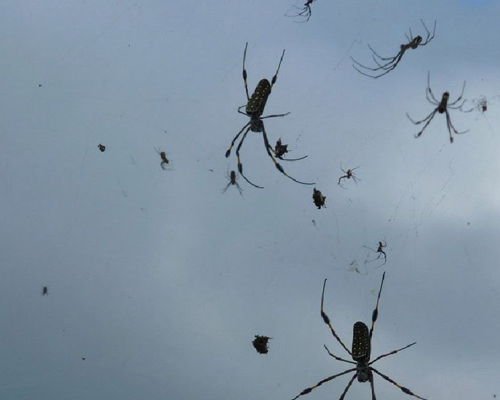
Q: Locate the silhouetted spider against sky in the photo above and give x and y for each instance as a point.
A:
(305, 11)
(164, 160)
(387, 64)
(361, 351)
(233, 177)
(318, 199)
(254, 109)
(380, 251)
(442, 108)
(348, 175)
(260, 344)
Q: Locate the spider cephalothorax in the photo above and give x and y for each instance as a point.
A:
(254, 108)
(361, 351)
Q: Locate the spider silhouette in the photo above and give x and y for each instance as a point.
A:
(45, 291)
(233, 177)
(380, 251)
(318, 199)
(305, 11)
(260, 344)
(254, 109)
(101, 147)
(361, 352)
(348, 175)
(442, 108)
(387, 64)
(164, 160)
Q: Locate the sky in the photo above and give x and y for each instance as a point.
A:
(158, 282)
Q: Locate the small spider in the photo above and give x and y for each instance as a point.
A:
(260, 344)
(254, 109)
(361, 352)
(164, 160)
(101, 147)
(233, 177)
(387, 64)
(45, 291)
(442, 108)
(481, 105)
(348, 175)
(305, 11)
(281, 149)
(380, 251)
(318, 199)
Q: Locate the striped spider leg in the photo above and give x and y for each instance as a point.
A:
(254, 109)
(387, 64)
(360, 353)
(442, 108)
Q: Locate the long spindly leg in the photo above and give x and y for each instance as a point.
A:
(309, 390)
(348, 386)
(429, 37)
(275, 115)
(428, 119)
(245, 71)
(372, 386)
(375, 312)
(428, 90)
(457, 100)
(391, 353)
(240, 165)
(450, 125)
(273, 81)
(337, 357)
(279, 167)
(326, 319)
(228, 152)
(405, 390)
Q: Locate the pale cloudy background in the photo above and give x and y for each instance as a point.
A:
(161, 282)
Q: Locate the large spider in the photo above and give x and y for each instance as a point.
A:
(254, 109)
(442, 108)
(361, 350)
(387, 64)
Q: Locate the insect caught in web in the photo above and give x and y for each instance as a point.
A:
(254, 109)
(387, 64)
(442, 108)
(361, 351)
(281, 149)
(305, 11)
(348, 175)
(260, 344)
(318, 199)
(164, 160)
(233, 177)
(481, 104)
(380, 251)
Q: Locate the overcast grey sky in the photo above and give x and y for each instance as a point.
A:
(160, 281)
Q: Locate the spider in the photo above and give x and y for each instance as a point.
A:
(254, 109)
(318, 199)
(281, 149)
(442, 108)
(481, 105)
(361, 349)
(164, 160)
(348, 175)
(305, 11)
(233, 176)
(101, 147)
(45, 291)
(260, 344)
(380, 251)
(387, 64)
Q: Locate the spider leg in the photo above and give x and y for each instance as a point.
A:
(239, 188)
(278, 166)
(391, 353)
(245, 71)
(391, 59)
(305, 11)
(429, 37)
(450, 125)
(273, 81)
(385, 68)
(348, 386)
(274, 115)
(372, 386)
(228, 152)
(338, 358)
(227, 186)
(240, 165)
(457, 100)
(375, 312)
(309, 390)
(326, 319)
(428, 89)
(405, 390)
(338, 183)
(428, 119)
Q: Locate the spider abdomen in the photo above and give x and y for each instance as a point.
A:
(360, 342)
(258, 100)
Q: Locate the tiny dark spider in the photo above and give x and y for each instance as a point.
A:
(254, 109)
(260, 344)
(361, 351)
(318, 199)
(481, 104)
(348, 175)
(45, 291)
(442, 108)
(305, 11)
(387, 64)
(281, 149)
(164, 160)
(380, 251)
(101, 147)
(233, 177)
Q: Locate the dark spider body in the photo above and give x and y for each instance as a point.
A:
(387, 64)
(318, 199)
(442, 108)
(45, 291)
(260, 344)
(361, 351)
(254, 108)
(101, 147)
(164, 160)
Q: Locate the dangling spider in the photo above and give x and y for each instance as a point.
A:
(254, 109)
(164, 160)
(348, 175)
(233, 177)
(305, 11)
(442, 108)
(361, 351)
(281, 149)
(260, 344)
(318, 199)
(380, 251)
(387, 64)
